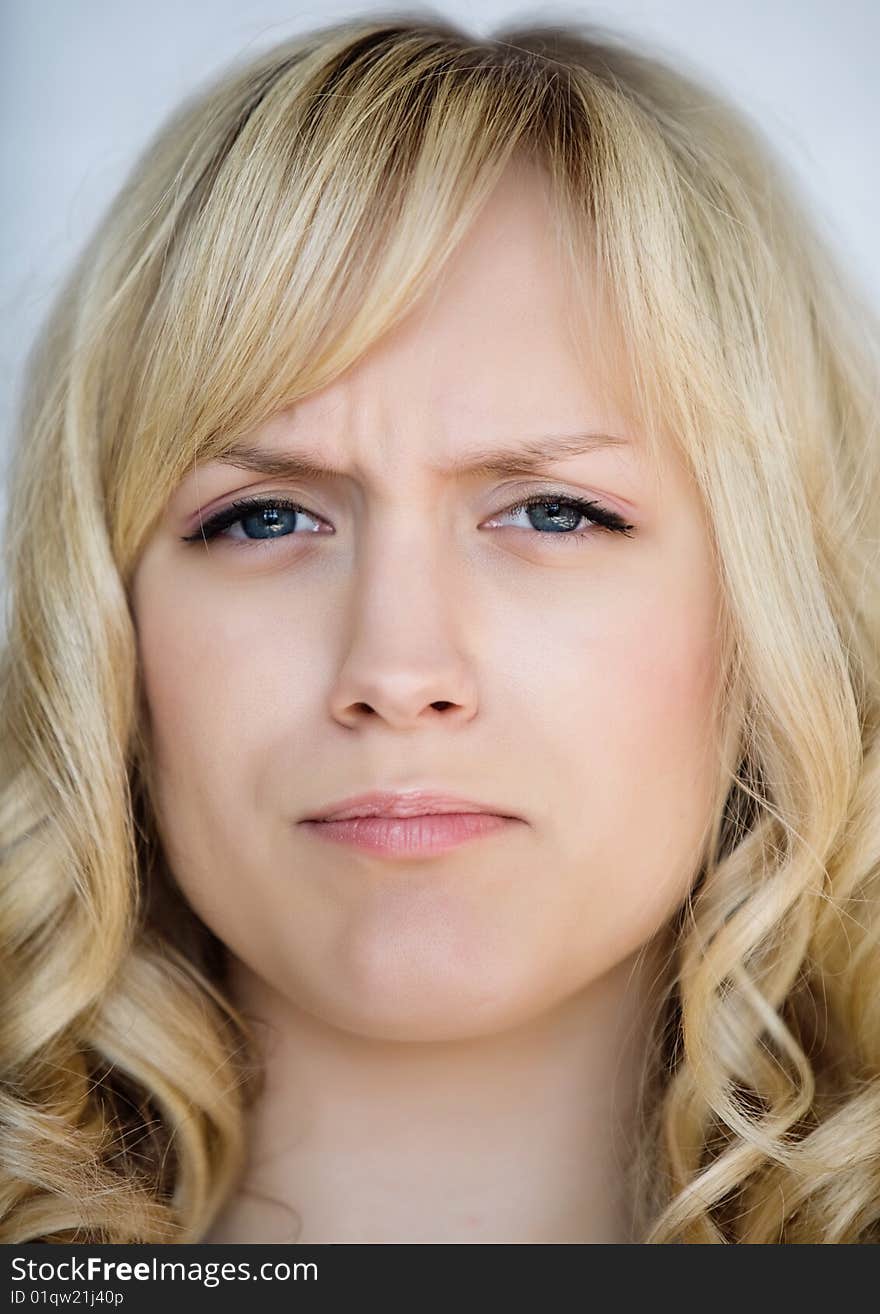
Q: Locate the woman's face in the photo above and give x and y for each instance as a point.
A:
(408, 629)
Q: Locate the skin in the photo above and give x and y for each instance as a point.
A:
(452, 1045)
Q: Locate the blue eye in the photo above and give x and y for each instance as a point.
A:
(271, 516)
(570, 510)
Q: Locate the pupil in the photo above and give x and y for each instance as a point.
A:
(270, 519)
(554, 512)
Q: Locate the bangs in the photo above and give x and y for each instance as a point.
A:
(334, 189)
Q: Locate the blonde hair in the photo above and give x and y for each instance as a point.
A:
(281, 221)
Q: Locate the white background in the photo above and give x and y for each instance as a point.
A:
(85, 83)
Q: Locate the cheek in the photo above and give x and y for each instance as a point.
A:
(215, 675)
(190, 690)
(213, 685)
(642, 781)
(628, 686)
(664, 681)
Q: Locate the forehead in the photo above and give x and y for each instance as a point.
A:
(500, 304)
(497, 357)
(496, 348)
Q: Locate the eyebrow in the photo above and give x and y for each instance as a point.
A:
(528, 457)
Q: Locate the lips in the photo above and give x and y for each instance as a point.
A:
(404, 803)
(409, 838)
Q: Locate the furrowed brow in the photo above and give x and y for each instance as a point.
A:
(530, 457)
(526, 458)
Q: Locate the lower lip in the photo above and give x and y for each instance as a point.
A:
(410, 837)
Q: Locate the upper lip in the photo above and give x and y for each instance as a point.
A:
(401, 803)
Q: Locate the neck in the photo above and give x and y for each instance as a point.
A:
(522, 1136)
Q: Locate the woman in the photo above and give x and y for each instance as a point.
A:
(500, 864)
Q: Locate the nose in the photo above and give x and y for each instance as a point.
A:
(405, 659)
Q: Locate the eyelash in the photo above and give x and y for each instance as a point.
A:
(603, 517)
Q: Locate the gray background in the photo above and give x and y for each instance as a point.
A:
(85, 83)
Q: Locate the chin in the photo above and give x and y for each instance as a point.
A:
(440, 1008)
